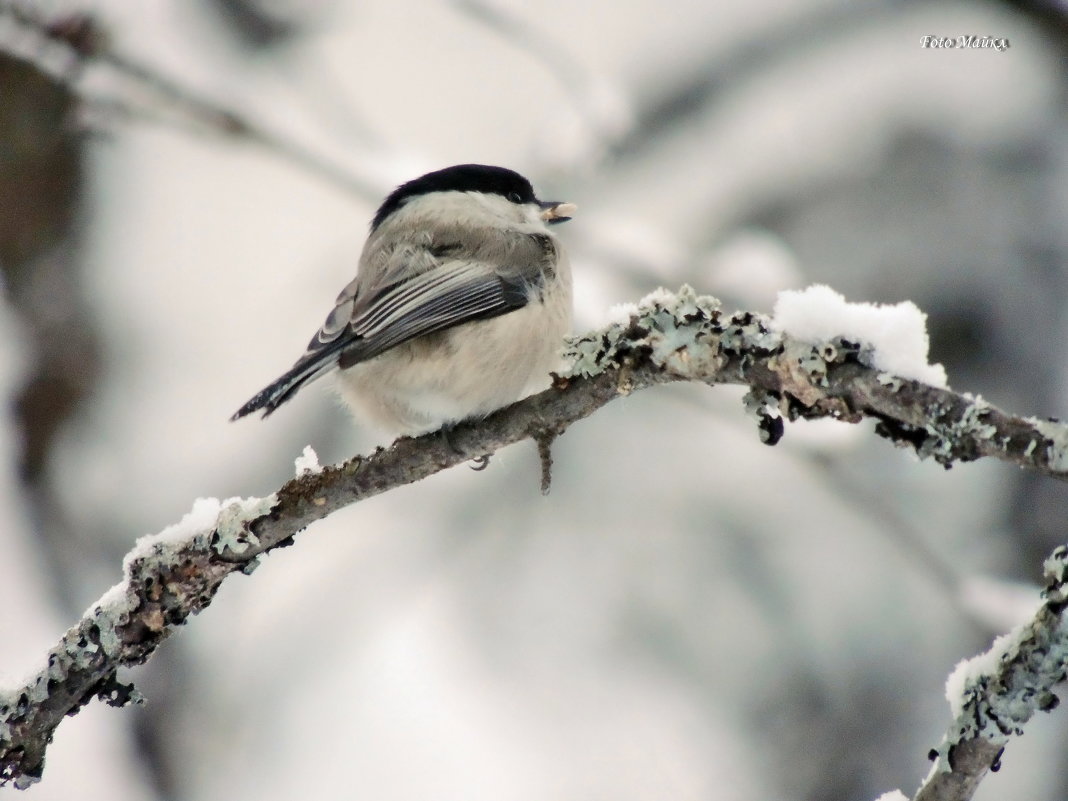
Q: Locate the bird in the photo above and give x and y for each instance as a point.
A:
(461, 301)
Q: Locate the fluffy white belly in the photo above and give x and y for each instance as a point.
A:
(466, 371)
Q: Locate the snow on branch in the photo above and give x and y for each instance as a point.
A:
(994, 694)
(667, 338)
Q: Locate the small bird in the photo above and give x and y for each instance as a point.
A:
(460, 302)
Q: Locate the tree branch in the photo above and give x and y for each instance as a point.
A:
(668, 338)
(996, 693)
(147, 93)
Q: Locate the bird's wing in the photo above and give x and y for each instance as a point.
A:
(456, 288)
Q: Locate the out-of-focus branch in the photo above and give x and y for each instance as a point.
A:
(996, 693)
(154, 96)
(668, 338)
(598, 100)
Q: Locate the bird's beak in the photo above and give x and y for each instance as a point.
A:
(553, 211)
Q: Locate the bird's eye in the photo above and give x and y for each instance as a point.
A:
(514, 197)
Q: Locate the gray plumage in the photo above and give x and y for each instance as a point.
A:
(462, 299)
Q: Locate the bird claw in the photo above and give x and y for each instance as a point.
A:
(478, 464)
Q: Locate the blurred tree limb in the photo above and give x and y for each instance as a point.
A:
(668, 338)
(1001, 690)
(144, 92)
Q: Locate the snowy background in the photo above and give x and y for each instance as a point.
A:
(689, 614)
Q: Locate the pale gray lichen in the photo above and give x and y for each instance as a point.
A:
(110, 642)
(8, 712)
(815, 365)
(803, 369)
(673, 328)
(947, 428)
(1055, 569)
(972, 422)
(38, 691)
(686, 335)
(96, 645)
(747, 332)
(232, 532)
(82, 649)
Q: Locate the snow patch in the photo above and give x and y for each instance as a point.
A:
(969, 672)
(307, 462)
(897, 334)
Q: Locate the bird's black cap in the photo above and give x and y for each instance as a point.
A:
(460, 178)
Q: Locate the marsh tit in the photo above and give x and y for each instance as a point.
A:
(461, 301)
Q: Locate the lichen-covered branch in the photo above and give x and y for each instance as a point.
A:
(667, 338)
(996, 693)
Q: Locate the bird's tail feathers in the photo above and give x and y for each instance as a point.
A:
(274, 395)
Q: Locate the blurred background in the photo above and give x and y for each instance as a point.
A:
(185, 186)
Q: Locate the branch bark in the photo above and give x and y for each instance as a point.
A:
(175, 574)
(1000, 691)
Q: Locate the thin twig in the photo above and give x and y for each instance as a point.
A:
(598, 101)
(83, 44)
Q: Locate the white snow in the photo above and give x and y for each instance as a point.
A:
(969, 671)
(200, 519)
(897, 333)
(208, 515)
(307, 462)
(893, 795)
(109, 601)
(661, 297)
(1057, 449)
(620, 313)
